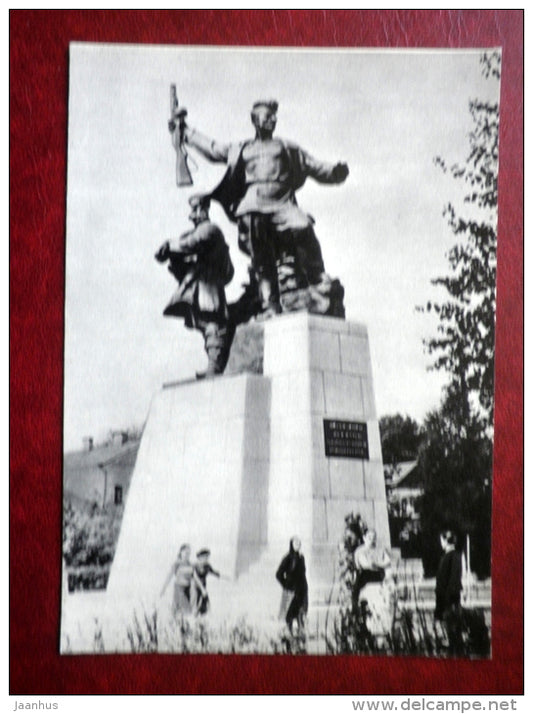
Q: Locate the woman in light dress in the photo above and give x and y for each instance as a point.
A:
(182, 572)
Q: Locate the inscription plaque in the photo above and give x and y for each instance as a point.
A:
(346, 439)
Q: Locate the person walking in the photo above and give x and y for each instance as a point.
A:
(292, 578)
(182, 572)
(202, 568)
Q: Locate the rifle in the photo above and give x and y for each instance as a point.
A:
(176, 126)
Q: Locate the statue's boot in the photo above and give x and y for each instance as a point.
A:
(269, 297)
(309, 255)
(217, 341)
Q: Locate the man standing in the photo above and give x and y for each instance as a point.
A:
(258, 192)
(200, 262)
(448, 591)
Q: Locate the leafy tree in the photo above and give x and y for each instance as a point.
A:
(464, 346)
(457, 469)
(456, 453)
(90, 535)
(400, 438)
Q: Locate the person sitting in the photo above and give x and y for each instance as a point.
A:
(370, 564)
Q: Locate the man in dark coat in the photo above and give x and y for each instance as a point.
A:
(448, 591)
(200, 261)
(258, 192)
(292, 578)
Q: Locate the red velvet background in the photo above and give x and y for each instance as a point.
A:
(38, 138)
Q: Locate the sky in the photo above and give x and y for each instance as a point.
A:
(386, 113)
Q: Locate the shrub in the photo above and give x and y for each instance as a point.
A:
(88, 578)
(90, 536)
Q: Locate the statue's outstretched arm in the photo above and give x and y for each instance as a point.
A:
(324, 172)
(209, 148)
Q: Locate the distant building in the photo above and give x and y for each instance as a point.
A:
(88, 443)
(100, 476)
(404, 488)
(118, 438)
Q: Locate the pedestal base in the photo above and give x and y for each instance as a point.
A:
(240, 464)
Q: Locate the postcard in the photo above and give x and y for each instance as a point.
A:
(279, 350)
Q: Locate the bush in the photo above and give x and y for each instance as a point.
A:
(90, 535)
(87, 578)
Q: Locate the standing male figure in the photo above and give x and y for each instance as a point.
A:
(200, 261)
(258, 192)
(448, 591)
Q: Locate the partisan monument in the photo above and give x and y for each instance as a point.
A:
(279, 436)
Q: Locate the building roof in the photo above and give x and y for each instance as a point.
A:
(82, 469)
(99, 455)
(404, 474)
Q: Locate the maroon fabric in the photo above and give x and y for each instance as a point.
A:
(38, 125)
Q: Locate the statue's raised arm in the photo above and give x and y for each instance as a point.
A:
(209, 148)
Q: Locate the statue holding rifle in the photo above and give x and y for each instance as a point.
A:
(258, 193)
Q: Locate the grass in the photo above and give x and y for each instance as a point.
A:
(188, 635)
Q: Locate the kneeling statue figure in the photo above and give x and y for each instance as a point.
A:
(200, 261)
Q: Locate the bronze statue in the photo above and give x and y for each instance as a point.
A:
(258, 193)
(200, 262)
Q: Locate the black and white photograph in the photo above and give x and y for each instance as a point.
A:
(280, 291)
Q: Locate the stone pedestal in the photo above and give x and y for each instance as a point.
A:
(201, 478)
(238, 464)
(320, 369)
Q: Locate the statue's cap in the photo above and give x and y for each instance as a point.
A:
(199, 199)
(269, 103)
(204, 551)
